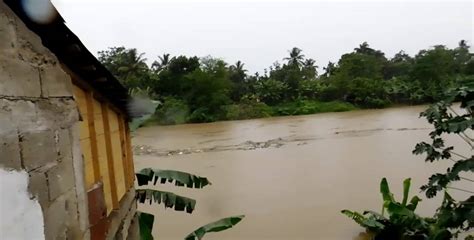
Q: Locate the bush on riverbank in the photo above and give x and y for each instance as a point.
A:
(302, 107)
(173, 111)
(246, 110)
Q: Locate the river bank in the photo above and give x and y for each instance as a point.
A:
(176, 113)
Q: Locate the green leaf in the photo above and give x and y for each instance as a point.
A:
(406, 190)
(146, 175)
(216, 226)
(462, 166)
(145, 222)
(413, 203)
(387, 196)
(370, 222)
(394, 208)
(385, 190)
(169, 199)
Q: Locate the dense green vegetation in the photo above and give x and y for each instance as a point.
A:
(208, 89)
(453, 217)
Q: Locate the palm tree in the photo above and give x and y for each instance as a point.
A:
(163, 62)
(363, 48)
(329, 69)
(310, 68)
(239, 66)
(296, 57)
(133, 62)
(238, 73)
(463, 44)
(310, 63)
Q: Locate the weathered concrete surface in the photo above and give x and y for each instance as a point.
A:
(38, 116)
(78, 167)
(38, 149)
(55, 82)
(19, 78)
(10, 150)
(39, 135)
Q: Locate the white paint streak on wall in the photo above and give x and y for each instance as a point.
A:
(20, 217)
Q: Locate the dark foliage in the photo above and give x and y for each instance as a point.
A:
(196, 89)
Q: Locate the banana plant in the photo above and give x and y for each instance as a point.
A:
(148, 176)
(401, 219)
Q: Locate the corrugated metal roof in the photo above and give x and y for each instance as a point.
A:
(69, 49)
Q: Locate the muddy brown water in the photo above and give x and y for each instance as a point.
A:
(290, 176)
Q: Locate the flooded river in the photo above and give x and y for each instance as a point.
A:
(290, 176)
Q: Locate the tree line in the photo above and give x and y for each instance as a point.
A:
(207, 89)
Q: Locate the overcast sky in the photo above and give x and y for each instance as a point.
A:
(260, 32)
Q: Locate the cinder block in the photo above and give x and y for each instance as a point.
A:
(57, 113)
(60, 178)
(6, 122)
(64, 145)
(73, 227)
(38, 188)
(38, 149)
(23, 114)
(78, 165)
(10, 150)
(55, 219)
(60, 218)
(30, 46)
(55, 82)
(18, 78)
(8, 38)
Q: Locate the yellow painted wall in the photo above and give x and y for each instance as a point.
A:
(80, 97)
(102, 154)
(119, 161)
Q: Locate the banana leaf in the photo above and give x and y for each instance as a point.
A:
(406, 190)
(217, 226)
(169, 199)
(147, 175)
(371, 222)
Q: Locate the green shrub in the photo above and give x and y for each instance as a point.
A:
(368, 92)
(246, 110)
(302, 107)
(271, 91)
(329, 93)
(202, 115)
(310, 88)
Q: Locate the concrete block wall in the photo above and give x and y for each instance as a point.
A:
(39, 135)
(38, 117)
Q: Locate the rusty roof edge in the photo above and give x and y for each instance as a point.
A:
(69, 49)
